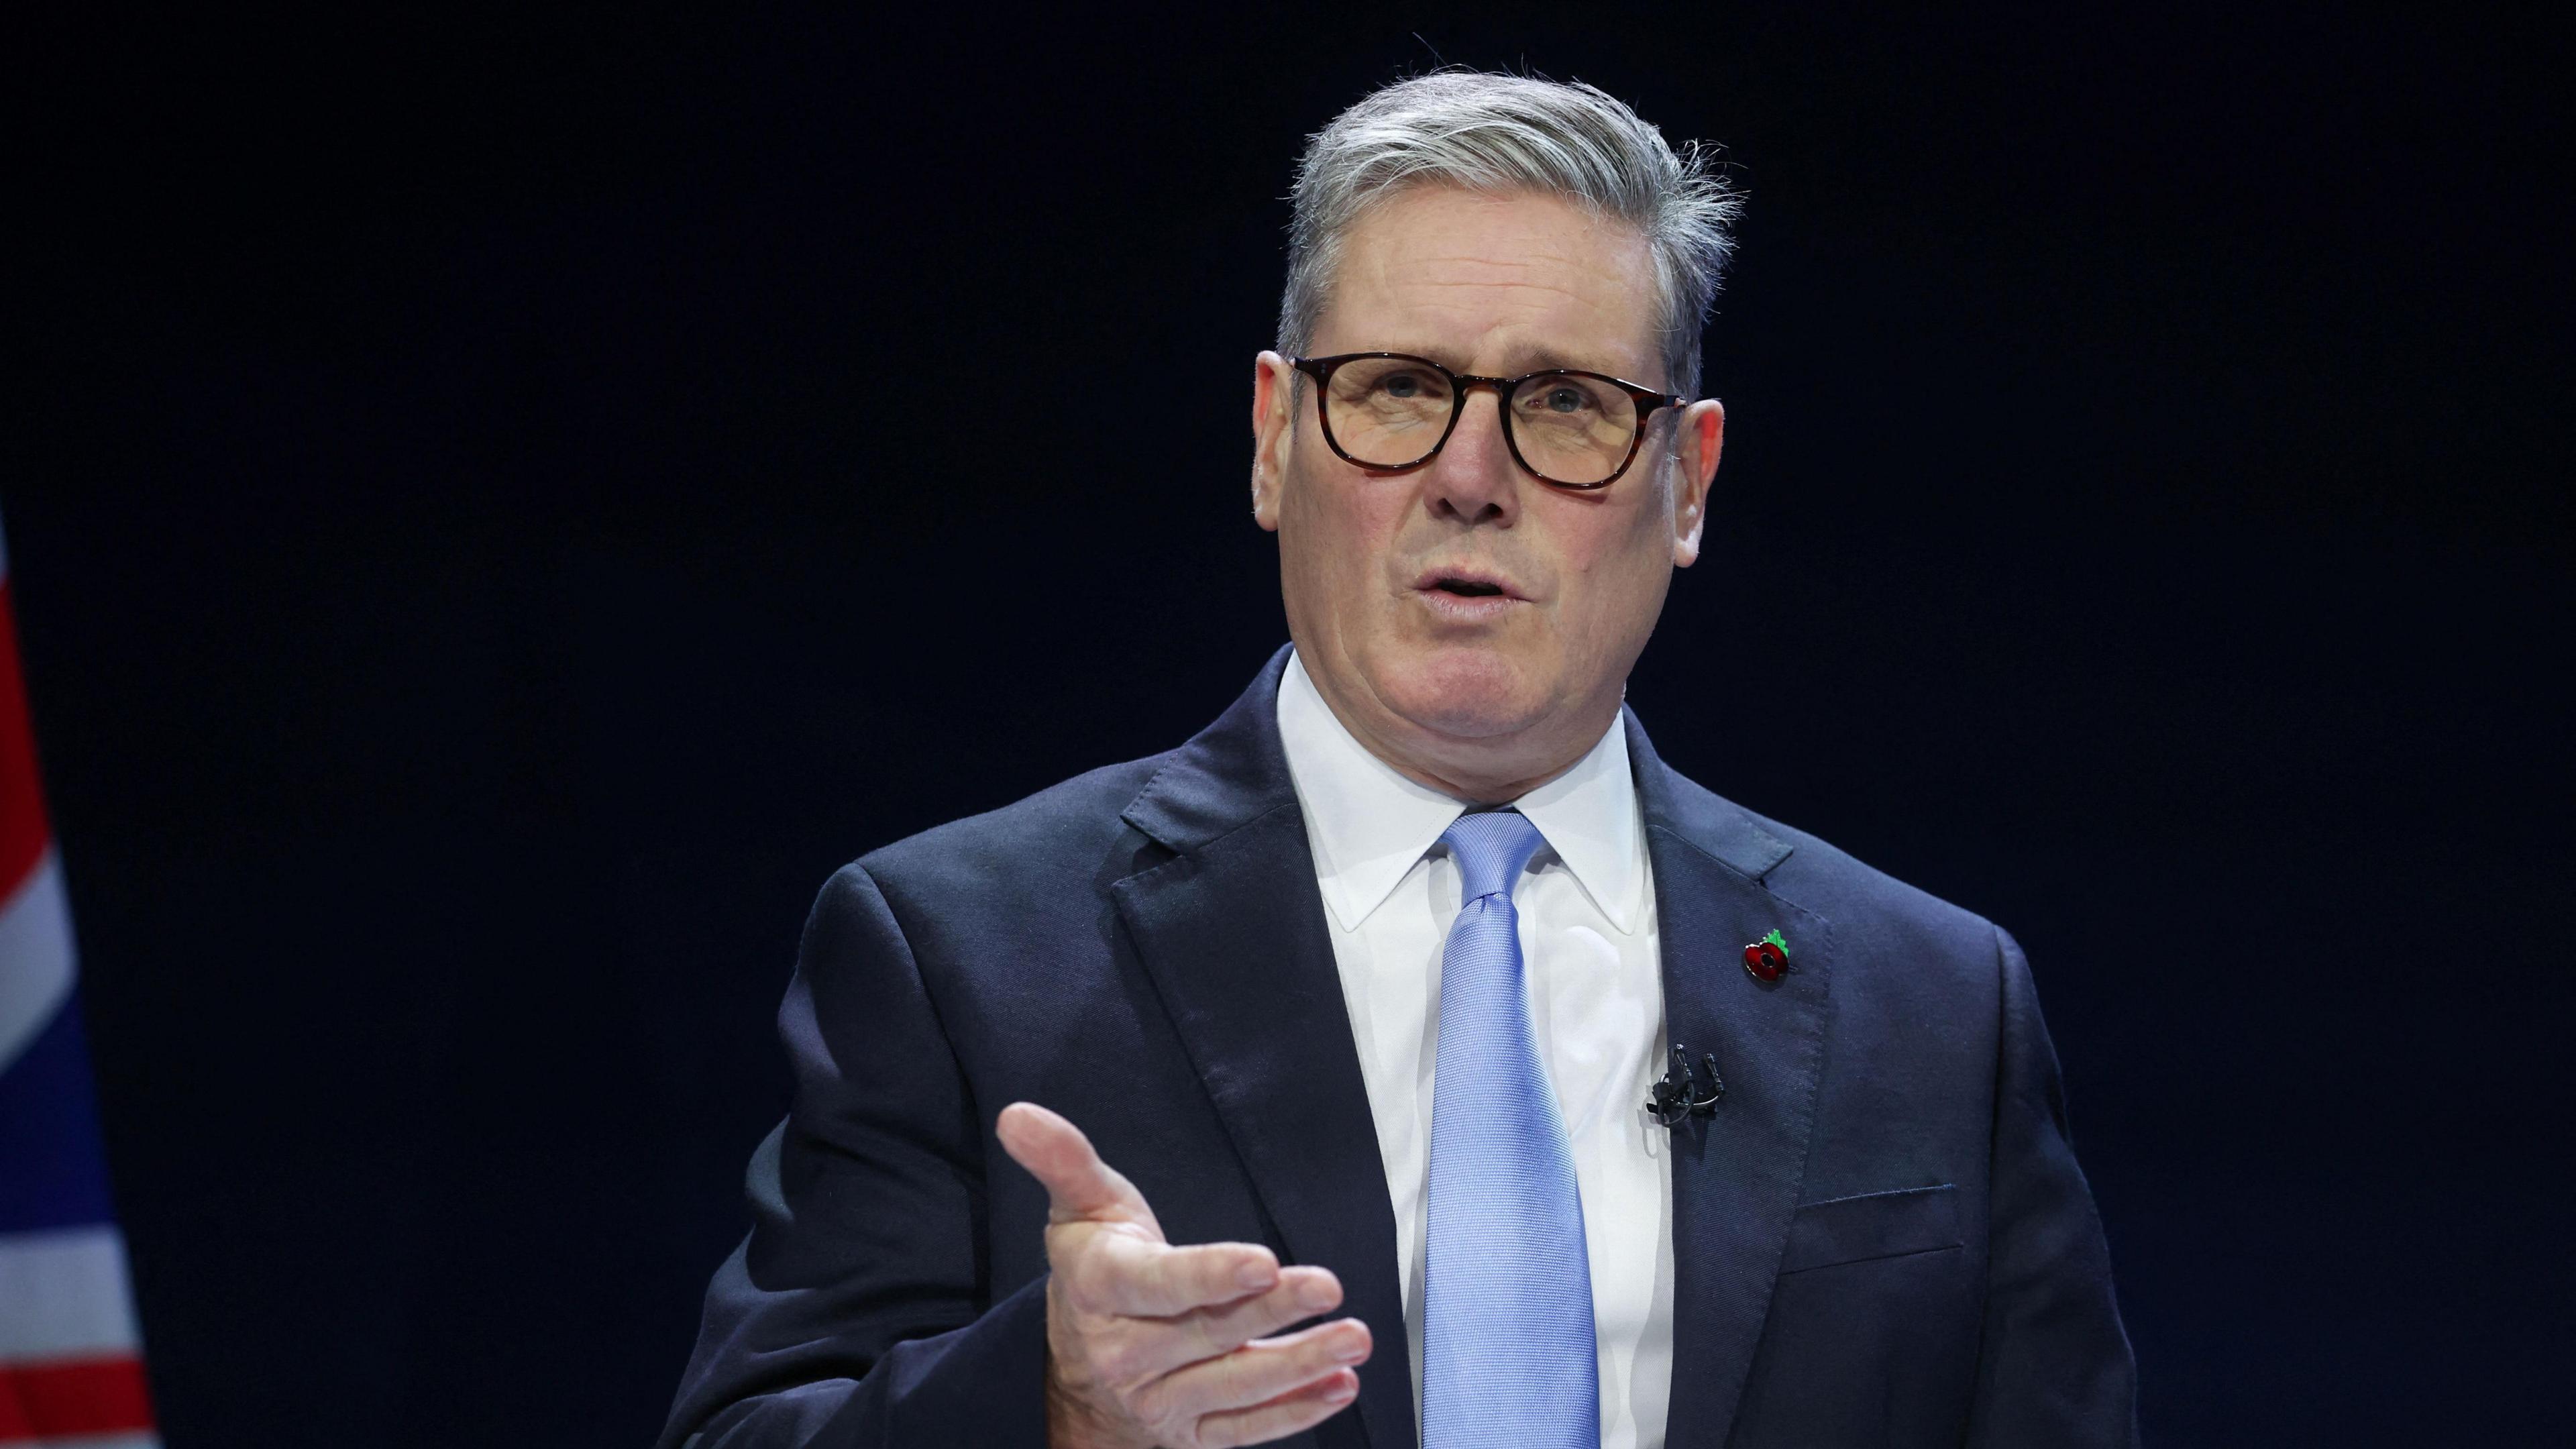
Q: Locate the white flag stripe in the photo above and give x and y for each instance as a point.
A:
(67, 1295)
(35, 957)
(138, 1439)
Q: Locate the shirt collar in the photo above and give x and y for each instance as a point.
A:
(1367, 824)
(1589, 816)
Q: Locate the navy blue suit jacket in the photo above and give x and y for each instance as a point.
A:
(1881, 1236)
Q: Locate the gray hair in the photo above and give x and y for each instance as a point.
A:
(1507, 133)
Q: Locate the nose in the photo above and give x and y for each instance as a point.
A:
(1473, 479)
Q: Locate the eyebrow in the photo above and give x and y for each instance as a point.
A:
(1516, 364)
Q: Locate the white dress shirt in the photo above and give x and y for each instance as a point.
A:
(1587, 925)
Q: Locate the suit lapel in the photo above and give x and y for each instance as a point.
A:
(1737, 1173)
(1232, 932)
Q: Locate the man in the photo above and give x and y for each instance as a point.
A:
(1365, 990)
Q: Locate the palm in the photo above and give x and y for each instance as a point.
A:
(1153, 1344)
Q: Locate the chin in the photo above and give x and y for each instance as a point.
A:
(1461, 692)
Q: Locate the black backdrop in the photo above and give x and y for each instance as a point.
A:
(500, 509)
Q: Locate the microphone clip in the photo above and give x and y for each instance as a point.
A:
(1682, 1094)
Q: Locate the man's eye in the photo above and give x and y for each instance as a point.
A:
(1566, 398)
(1403, 385)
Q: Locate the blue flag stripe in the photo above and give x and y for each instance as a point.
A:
(55, 1175)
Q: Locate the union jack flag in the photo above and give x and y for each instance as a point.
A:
(71, 1363)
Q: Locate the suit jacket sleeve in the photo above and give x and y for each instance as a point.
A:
(859, 1310)
(2055, 1366)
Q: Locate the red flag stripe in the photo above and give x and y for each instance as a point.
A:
(22, 801)
(79, 1396)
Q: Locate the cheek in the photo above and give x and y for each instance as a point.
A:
(1339, 527)
(1613, 534)
(1322, 546)
(1619, 557)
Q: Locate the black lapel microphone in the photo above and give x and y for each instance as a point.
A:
(1683, 1094)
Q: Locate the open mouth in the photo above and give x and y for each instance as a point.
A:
(1466, 592)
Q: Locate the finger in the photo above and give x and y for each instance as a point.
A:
(1123, 1274)
(1079, 1185)
(1224, 1327)
(1256, 1373)
(1293, 1412)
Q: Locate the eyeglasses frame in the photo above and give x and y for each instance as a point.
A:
(1649, 402)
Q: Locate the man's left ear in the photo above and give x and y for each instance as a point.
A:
(1697, 435)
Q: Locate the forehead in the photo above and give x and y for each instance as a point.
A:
(1494, 284)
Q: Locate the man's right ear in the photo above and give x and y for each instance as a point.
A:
(1274, 434)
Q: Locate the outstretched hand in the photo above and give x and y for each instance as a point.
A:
(1149, 1344)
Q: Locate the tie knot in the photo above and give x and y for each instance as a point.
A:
(1492, 848)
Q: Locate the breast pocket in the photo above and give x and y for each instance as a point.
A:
(1875, 1225)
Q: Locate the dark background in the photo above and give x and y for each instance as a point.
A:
(500, 509)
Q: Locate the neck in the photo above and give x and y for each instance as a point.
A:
(1488, 770)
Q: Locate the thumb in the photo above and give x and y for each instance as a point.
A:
(1080, 1187)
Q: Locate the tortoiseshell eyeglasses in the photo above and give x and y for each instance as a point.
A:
(1392, 411)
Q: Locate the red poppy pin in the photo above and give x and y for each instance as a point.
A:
(1768, 957)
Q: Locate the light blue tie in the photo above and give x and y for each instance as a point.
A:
(1507, 1345)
